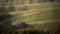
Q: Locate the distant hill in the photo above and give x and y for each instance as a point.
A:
(44, 13)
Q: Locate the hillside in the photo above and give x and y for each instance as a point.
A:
(42, 15)
(38, 13)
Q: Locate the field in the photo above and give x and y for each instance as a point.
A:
(36, 13)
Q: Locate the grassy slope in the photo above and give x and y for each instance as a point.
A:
(37, 13)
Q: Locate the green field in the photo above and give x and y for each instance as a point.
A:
(37, 13)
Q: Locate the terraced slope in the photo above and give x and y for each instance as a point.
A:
(38, 13)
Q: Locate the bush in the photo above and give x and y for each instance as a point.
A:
(11, 9)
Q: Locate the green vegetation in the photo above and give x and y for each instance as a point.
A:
(38, 13)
